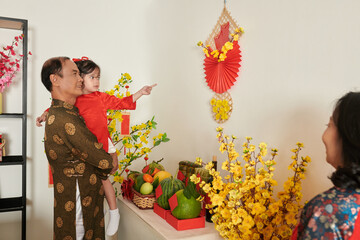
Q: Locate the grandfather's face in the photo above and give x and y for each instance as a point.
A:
(70, 83)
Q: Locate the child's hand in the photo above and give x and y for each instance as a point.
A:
(146, 90)
(41, 119)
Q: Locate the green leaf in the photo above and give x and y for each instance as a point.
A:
(187, 193)
(166, 140)
(155, 183)
(157, 143)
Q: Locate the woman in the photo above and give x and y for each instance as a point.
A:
(333, 214)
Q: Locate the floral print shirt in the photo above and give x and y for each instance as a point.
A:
(74, 154)
(331, 215)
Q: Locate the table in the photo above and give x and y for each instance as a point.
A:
(138, 224)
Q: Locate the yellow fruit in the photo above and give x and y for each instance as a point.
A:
(162, 175)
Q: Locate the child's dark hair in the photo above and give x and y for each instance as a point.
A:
(86, 66)
(347, 120)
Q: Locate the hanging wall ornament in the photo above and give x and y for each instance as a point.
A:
(222, 62)
(221, 107)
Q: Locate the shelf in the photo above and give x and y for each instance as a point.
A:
(11, 204)
(154, 227)
(11, 115)
(12, 160)
(11, 24)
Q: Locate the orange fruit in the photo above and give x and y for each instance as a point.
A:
(148, 178)
(156, 170)
(162, 175)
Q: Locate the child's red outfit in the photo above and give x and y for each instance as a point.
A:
(93, 107)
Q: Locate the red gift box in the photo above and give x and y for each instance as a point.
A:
(185, 224)
(160, 211)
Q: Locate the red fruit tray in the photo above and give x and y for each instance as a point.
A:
(160, 211)
(185, 224)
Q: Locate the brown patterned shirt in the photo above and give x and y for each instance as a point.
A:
(74, 153)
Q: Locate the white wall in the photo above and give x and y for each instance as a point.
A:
(298, 58)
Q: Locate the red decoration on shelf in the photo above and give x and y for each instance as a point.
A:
(180, 176)
(220, 76)
(222, 37)
(173, 202)
(158, 191)
(146, 168)
(126, 187)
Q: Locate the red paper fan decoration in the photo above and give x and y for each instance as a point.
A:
(220, 76)
(222, 37)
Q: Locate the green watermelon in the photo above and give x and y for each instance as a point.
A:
(138, 182)
(169, 186)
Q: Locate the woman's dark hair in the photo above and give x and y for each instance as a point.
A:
(52, 66)
(86, 66)
(346, 117)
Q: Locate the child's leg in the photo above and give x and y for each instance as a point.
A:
(109, 194)
(114, 216)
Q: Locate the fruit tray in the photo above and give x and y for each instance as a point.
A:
(185, 224)
(160, 211)
(143, 201)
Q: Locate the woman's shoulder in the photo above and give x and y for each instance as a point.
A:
(333, 200)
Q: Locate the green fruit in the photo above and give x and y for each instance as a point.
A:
(138, 182)
(169, 186)
(132, 175)
(146, 188)
(154, 165)
(186, 208)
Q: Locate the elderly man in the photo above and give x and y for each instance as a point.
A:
(77, 160)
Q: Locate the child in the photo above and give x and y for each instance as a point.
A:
(93, 106)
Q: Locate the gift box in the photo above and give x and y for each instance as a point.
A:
(185, 224)
(160, 211)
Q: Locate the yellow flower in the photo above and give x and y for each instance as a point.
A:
(195, 179)
(118, 179)
(206, 188)
(228, 46)
(236, 37)
(127, 76)
(225, 165)
(206, 52)
(213, 101)
(215, 53)
(225, 213)
(209, 166)
(198, 161)
(200, 43)
(222, 57)
(222, 147)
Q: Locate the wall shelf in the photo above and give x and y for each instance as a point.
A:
(18, 203)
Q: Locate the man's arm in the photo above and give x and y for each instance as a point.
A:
(82, 143)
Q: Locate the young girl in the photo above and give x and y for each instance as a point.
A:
(93, 106)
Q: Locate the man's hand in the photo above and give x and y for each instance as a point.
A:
(41, 119)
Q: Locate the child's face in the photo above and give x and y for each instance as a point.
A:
(91, 82)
